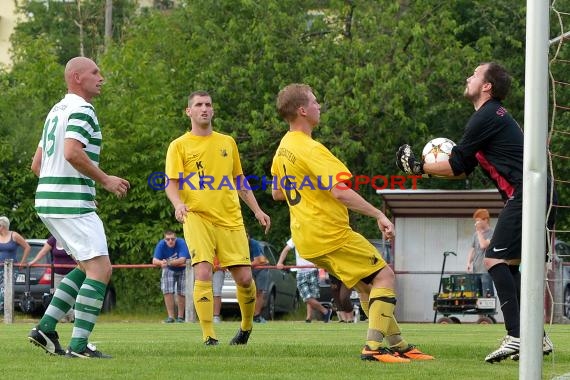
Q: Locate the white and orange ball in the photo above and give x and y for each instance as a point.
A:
(437, 150)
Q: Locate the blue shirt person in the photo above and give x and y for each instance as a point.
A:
(171, 254)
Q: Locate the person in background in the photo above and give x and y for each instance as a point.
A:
(260, 277)
(171, 254)
(307, 282)
(218, 278)
(59, 257)
(341, 296)
(9, 243)
(481, 239)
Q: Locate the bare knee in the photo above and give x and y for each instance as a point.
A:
(203, 271)
(384, 279)
(98, 268)
(242, 276)
(109, 274)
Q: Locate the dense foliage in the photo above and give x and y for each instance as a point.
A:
(385, 72)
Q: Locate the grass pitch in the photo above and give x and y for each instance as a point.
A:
(276, 350)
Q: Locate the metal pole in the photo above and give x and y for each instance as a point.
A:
(557, 39)
(445, 254)
(9, 291)
(534, 190)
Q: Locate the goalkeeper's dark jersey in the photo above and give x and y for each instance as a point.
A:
(493, 140)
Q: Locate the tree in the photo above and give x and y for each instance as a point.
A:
(37, 80)
(73, 27)
(385, 72)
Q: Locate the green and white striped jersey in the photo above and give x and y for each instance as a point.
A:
(63, 192)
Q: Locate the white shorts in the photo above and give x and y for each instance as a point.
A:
(82, 237)
(218, 282)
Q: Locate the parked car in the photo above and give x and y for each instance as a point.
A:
(40, 282)
(281, 295)
(385, 249)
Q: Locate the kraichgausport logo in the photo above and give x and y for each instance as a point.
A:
(344, 181)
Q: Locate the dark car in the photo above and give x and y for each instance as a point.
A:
(383, 246)
(40, 282)
(281, 295)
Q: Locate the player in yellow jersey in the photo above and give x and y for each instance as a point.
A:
(206, 183)
(314, 184)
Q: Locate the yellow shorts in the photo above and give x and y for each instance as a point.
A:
(206, 240)
(355, 260)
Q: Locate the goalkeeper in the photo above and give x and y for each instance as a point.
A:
(494, 141)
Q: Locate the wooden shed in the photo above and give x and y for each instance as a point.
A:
(429, 223)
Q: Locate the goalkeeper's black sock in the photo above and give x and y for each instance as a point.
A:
(516, 273)
(507, 292)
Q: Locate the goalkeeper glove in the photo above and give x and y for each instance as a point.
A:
(406, 161)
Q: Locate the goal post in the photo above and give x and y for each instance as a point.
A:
(534, 190)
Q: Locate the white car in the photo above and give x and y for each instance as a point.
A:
(281, 295)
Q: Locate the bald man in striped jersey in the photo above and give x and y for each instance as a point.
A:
(67, 164)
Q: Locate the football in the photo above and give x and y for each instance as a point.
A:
(437, 150)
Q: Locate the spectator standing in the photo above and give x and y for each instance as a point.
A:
(9, 243)
(307, 282)
(218, 278)
(171, 254)
(341, 296)
(260, 277)
(481, 239)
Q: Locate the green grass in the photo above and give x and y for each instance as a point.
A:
(277, 350)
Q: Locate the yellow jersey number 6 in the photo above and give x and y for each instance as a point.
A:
(293, 196)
